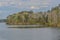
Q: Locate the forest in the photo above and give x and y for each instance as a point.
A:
(48, 18)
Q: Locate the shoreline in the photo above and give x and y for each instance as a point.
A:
(34, 27)
(31, 26)
(24, 26)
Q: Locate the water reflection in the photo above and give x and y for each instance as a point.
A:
(28, 34)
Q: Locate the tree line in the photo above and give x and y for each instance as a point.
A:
(49, 18)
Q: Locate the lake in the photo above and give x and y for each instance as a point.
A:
(28, 33)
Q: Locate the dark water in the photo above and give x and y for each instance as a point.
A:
(28, 34)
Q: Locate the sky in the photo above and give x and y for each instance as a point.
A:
(8, 7)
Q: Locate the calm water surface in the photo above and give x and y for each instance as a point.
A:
(28, 34)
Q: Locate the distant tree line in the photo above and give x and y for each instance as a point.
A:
(49, 18)
(3, 20)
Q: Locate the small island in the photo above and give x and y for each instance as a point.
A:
(51, 18)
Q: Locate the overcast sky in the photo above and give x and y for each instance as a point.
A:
(8, 7)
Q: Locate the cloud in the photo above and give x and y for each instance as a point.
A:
(26, 3)
(33, 7)
(3, 3)
(8, 7)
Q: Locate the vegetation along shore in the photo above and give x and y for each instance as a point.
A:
(48, 18)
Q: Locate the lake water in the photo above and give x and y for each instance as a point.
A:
(28, 33)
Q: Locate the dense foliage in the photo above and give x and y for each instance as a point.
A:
(49, 18)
